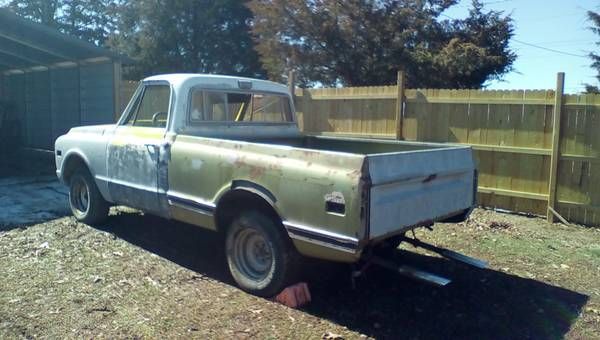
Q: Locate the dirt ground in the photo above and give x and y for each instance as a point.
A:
(140, 276)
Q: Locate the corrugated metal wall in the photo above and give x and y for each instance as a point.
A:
(14, 92)
(50, 102)
(37, 104)
(64, 89)
(97, 94)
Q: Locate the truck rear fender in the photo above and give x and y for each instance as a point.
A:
(247, 194)
(254, 196)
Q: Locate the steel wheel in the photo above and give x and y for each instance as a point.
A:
(86, 202)
(252, 254)
(80, 195)
(260, 256)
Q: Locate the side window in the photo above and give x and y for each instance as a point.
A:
(153, 108)
(132, 107)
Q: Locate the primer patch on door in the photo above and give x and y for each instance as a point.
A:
(230, 158)
(197, 164)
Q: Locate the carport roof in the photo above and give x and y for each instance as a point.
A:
(25, 44)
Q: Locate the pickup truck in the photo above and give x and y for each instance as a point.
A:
(225, 153)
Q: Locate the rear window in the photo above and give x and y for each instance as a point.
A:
(217, 106)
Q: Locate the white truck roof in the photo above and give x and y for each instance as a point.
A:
(187, 80)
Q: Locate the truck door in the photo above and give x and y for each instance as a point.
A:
(134, 150)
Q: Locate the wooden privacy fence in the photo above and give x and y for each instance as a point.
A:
(128, 87)
(537, 151)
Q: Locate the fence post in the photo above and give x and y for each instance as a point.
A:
(308, 120)
(292, 85)
(556, 123)
(401, 82)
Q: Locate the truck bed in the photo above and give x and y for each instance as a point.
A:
(411, 183)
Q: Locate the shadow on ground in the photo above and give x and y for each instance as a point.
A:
(28, 200)
(479, 304)
(186, 245)
(30, 192)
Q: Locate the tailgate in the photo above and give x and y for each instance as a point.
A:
(412, 187)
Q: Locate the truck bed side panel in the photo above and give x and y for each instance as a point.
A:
(301, 182)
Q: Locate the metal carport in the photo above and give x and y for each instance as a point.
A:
(50, 82)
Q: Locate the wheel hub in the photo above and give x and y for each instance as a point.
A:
(80, 195)
(252, 254)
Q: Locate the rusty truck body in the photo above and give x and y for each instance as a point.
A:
(225, 153)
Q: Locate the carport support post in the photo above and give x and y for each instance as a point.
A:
(1, 85)
(1, 99)
(117, 89)
(400, 104)
(554, 156)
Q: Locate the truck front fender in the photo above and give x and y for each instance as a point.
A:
(70, 161)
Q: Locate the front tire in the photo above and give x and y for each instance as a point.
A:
(261, 257)
(86, 202)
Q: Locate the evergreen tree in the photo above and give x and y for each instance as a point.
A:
(364, 42)
(90, 20)
(207, 36)
(595, 56)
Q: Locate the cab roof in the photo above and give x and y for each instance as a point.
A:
(217, 81)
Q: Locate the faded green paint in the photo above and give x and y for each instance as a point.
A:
(300, 174)
(298, 178)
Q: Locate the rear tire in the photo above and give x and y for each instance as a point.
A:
(261, 257)
(86, 202)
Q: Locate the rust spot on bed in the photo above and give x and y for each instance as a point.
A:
(256, 171)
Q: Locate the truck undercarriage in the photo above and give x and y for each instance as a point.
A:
(382, 255)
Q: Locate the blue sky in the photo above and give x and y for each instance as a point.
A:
(560, 25)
